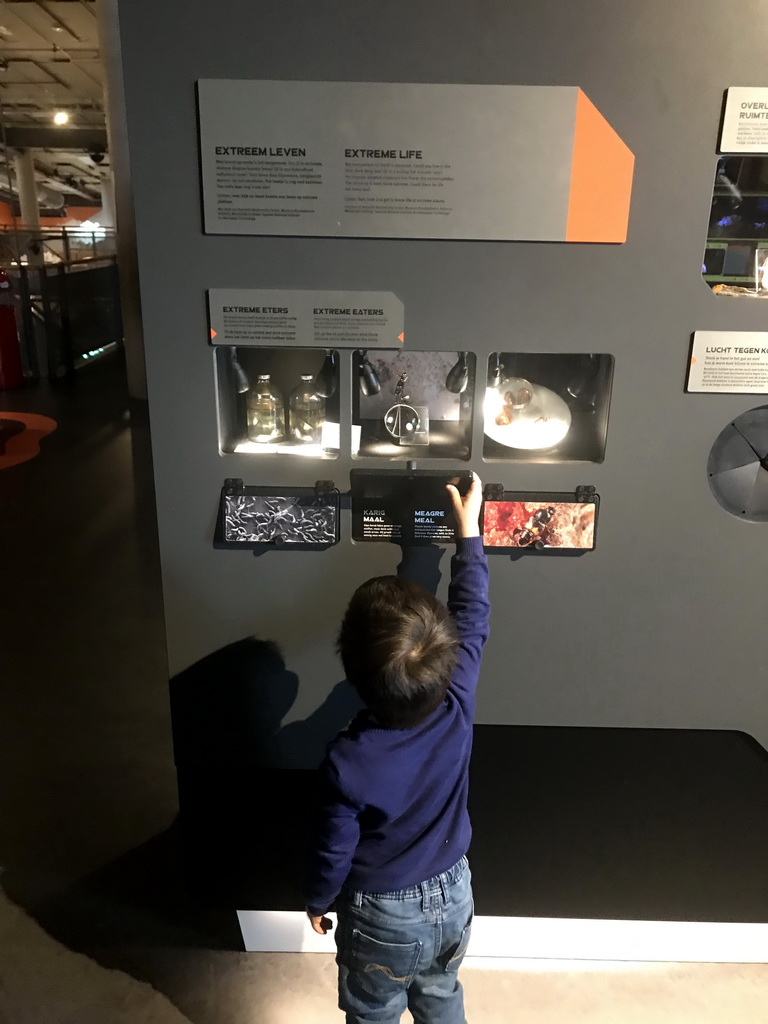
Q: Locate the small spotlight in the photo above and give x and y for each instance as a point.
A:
(458, 375)
(325, 381)
(369, 379)
(61, 117)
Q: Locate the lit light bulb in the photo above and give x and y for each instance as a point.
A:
(519, 414)
(60, 117)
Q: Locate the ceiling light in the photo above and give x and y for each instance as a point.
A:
(60, 117)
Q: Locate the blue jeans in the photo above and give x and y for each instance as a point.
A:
(403, 949)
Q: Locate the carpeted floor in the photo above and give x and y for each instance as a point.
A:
(42, 982)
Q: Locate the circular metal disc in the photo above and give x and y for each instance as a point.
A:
(737, 479)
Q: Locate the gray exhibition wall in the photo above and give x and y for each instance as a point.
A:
(663, 624)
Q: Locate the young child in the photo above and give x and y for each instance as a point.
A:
(393, 828)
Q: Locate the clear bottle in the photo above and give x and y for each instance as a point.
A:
(266, 412)
(306, 412)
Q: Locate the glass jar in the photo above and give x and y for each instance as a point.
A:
(306, 412)
(266, 412)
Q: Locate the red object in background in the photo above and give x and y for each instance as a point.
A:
(11, 375)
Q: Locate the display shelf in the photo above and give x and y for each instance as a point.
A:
(312, 451)
(302, 430)
(414, 404)
(547, 407)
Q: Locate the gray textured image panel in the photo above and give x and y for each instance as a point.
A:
(252, 519)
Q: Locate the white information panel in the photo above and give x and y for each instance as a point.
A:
(305, 319)
(729, 362)
(745, 124)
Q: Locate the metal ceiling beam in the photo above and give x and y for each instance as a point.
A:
(60, 23)
(45, 68)
(24, 22)
(56, 138)
(62, 55)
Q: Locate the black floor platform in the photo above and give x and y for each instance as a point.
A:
(573, 823)
(620, 823)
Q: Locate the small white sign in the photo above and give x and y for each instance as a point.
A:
(745, 124)
(729, 362)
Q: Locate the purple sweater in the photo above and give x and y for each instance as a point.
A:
(394, 801)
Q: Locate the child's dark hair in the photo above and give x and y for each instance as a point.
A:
(398, 646)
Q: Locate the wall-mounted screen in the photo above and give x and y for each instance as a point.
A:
(540, 523)
(260, 517)
(265, 519)
(735, 258)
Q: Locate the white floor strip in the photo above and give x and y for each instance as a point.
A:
(546, 938)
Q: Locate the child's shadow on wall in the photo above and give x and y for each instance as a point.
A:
(246, 781)
(229, 706)
(228, 709)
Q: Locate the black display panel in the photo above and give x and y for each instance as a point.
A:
(538, 522)
(300, 518)
(405, 506)
(714, 261)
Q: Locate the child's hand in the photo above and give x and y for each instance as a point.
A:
(466, 508)
(321, 925)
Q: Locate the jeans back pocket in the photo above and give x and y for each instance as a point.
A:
(452, 957)
(384, 963)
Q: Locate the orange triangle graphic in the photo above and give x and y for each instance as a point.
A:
(598, 210)
(213, 334)
(401, 336)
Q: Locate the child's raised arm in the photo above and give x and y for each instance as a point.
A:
(468, 591)
(466, 507)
